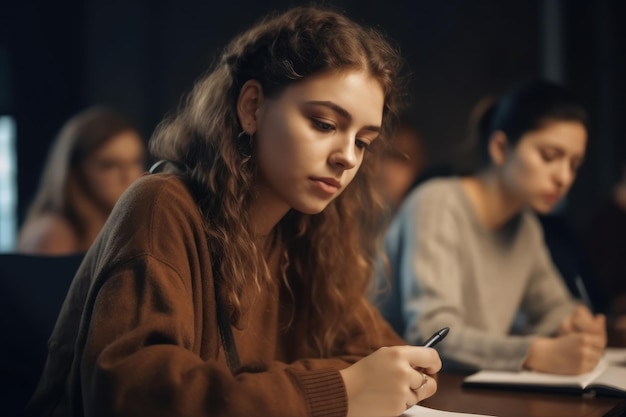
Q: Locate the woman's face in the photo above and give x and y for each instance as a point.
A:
(112, 167)
(542, 167)
(311, 139)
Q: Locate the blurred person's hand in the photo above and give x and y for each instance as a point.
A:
(583, 321)
(570, 354)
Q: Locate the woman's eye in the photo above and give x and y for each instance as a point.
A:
(548, 156)
(575, 166)
(322, 125)
(106, 165)
(362, 144)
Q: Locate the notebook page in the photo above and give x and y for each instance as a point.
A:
(612, 377)
(615, 356)
(537, 378)
(419, 411)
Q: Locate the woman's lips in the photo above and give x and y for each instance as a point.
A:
(327, 185)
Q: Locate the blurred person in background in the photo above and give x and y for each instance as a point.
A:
(403, 161)
(95, 157)
(467, 252)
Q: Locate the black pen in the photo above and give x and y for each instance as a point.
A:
(437, 337)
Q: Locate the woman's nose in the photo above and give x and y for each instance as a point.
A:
(344, 155)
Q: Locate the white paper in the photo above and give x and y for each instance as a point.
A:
(420, 411)
(615, 356)
(537, 378)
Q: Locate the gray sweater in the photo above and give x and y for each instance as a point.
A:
(447, 269)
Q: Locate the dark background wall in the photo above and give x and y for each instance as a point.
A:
(141, 56)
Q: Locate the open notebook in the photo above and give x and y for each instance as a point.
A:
(419, 411)
(608, 378)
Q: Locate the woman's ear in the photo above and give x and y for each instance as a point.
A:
(250, 99)
(498, 147)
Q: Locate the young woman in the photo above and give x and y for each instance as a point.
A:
(96, 156)
(236, 286)
(468, 252)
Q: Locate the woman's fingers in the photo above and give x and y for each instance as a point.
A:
(420, 390)
(390, 380)
(426, 359)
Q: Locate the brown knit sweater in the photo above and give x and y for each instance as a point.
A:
(138, 333)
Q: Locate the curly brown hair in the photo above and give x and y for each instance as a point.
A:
(327, 258)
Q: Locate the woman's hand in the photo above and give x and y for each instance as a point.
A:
(390, 380)
(570, 354)
(583, 321)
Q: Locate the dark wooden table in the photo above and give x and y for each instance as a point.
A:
(451, 396)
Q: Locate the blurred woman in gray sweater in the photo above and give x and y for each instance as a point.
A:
(468, 252)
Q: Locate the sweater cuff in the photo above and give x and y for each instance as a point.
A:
(520, 354)
(324, 392)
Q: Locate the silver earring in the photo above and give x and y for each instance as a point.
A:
(244, 145)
